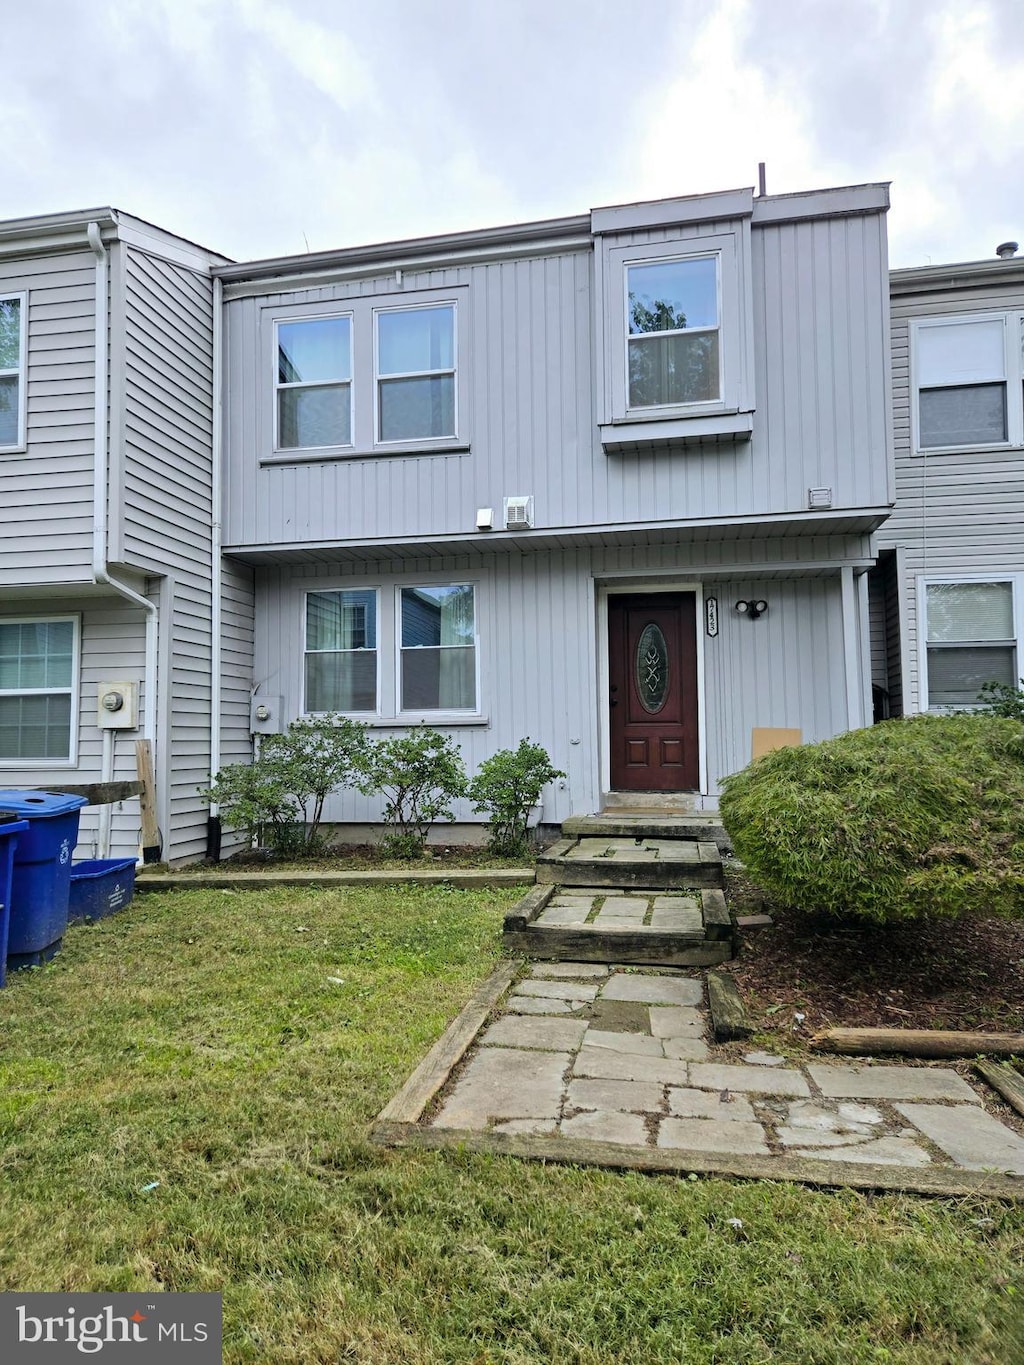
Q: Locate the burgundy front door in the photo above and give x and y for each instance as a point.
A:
(652, 692)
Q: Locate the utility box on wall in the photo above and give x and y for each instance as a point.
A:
(117, 705)
(265, 716)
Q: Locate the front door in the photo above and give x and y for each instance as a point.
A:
(652, 692)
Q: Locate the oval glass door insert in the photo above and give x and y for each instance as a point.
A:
(652, 668)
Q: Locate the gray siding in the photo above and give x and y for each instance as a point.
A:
(540, 641)
(112, 649)
(957, 512)
(46, 527)
(163, 467)
(237, 639)
(820, 338)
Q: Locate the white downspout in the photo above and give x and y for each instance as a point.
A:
(216, 540)
(100, 570)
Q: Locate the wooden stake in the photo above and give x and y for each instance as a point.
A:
(918, 1042)
(151, 847)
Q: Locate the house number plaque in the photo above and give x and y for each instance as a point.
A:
(711, 615)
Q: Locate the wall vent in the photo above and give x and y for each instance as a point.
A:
(819, 497)
(518, 513)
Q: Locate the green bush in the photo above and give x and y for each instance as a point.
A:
(506, 786)
(1002, 700)
(279, 797)
(921, 816)
(419, 775)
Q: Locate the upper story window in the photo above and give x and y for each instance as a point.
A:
(674, 324)
(969, 381)
(368, 376)
(38, 687)
(672, 316)
(971, 634)
(314, 383)
(416, 373)
(12, 371)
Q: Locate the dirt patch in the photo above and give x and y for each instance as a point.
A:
(939, 973)
(617, 1016)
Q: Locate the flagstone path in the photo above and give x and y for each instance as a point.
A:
(583, 1050)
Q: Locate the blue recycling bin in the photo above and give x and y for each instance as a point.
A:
(10, 828)
(41, 875)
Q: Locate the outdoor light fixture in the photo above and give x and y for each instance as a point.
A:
(752, 609)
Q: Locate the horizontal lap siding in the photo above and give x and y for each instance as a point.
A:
(527, 354)
(957, 513)
(113, 650)
(46, 527)
(166, 521)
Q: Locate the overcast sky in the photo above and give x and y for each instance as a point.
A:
(263, 127)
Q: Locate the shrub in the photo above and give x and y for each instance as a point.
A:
(505, 787)
(419, 775)
(920, 816)
(279, 797)
(1002, 700)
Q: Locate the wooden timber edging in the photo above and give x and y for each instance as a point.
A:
(428, 1078)
(95, 793)
(617, 943)
(1006, 1080)
(728, 1015)
(483, 878)
(939, 1181)
(918, 1042)
(524, 912)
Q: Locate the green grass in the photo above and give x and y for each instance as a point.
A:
(197, 1040)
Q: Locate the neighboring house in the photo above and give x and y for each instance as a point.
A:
(950, 578)
(106, 498)
(510, 482)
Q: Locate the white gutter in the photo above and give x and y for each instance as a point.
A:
(216, 539)
(100, 568)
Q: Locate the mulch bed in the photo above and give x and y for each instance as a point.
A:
(940, 973)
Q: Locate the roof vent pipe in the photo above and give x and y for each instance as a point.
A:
(1007, 250)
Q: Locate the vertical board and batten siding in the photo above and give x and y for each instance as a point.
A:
(820, 307)
(112, 648)
(46, 492)
(957, 513)
(538, 631)
(237, 637)
(163, 469)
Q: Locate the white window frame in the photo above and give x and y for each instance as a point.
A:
(735, 382)
(1013, 378)
(415, 441)
(1016, 581)
(21, 370)
(437, 716)
(72, 691)
(378, 650)
(316, 383)
(362, 311)
(702, 405)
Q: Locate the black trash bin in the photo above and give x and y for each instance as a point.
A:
(41, 875)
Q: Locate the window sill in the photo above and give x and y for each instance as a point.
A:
(448, 719)
(37, 764)
(652, 432)
(1000, 448)
(287, 457)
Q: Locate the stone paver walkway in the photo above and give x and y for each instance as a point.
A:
(625, 1056)
(576, 908)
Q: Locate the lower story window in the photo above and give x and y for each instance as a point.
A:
(341, 651)
(438, 648)
(37, 684)
(971, 640)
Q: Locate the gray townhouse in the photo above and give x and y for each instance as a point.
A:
(947, 596)
(615, 481)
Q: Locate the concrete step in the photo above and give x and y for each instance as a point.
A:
(634, 862)
(616, 824)
(621, 925)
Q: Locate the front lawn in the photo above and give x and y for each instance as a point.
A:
(234, 1046)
